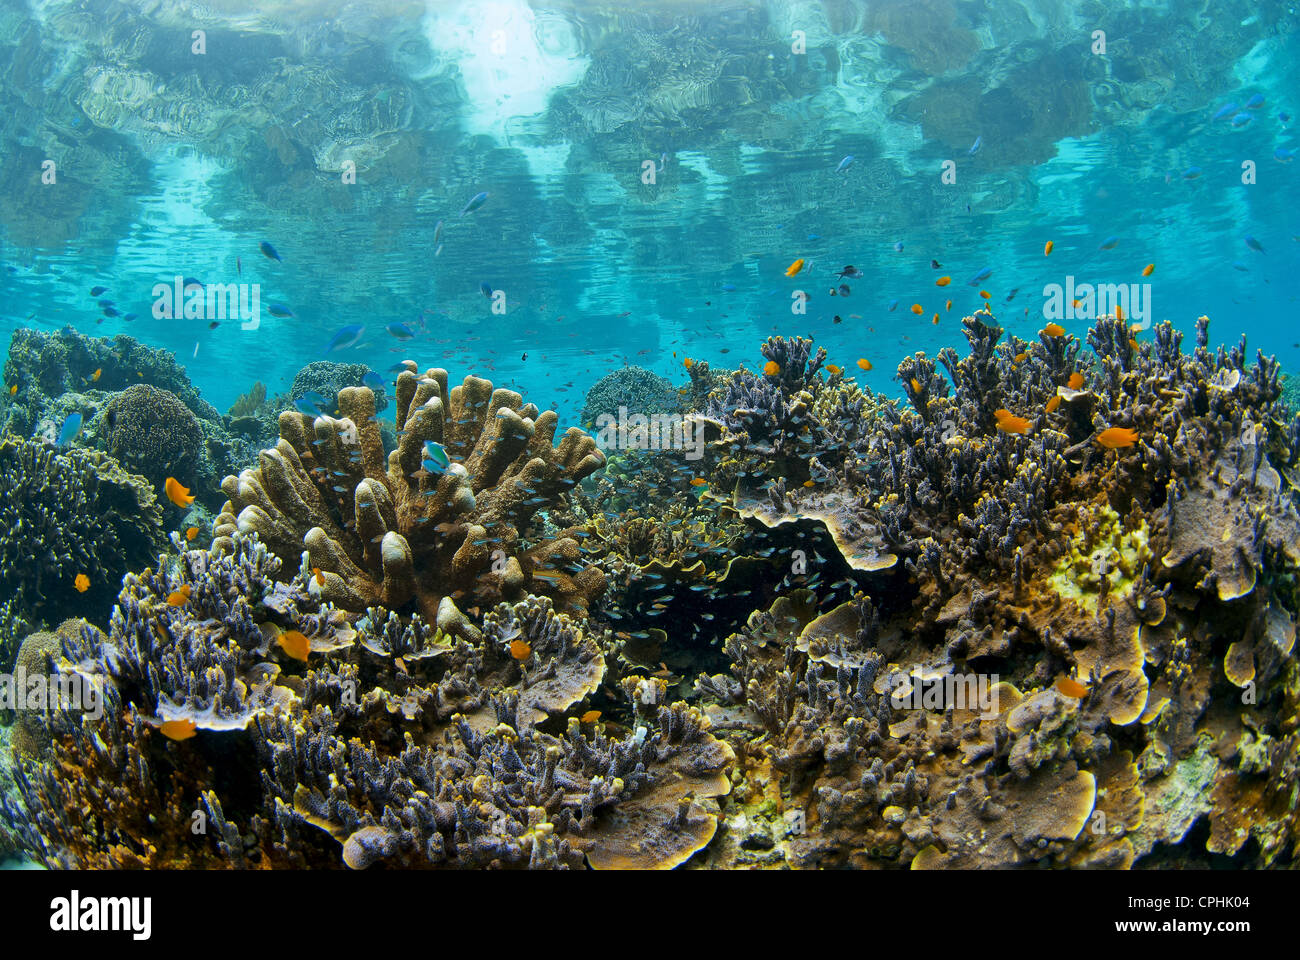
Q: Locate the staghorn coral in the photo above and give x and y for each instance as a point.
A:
(402, 535)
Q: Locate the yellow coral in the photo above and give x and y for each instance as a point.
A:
(1102, 546)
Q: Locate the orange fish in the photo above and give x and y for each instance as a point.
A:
(794, 268)
(1054, 330)
(918, 309)
(1148, 269)
(1076, 303)
(1071, 688)
(1008, 422)
(1075, 381)
(1047, 248)
(985, 294)
(772, 369)
(688, 363)
(1119, 313)
(520, 649)
(177, 729)
(320, 577)
(178, 598)
(935, 320)
(948, 305)
(699, 482)
(1114, 437)
(1019, 357)
(13, 388)
(1132, 343)
(943, 281)
(191, 533)
(1053, 403)
(916, 385)
(94, 377)
(82, 583)
(295, 644)
(864, 363)
(809, 483)
(832, 368)
(176, 493)
(591, 716)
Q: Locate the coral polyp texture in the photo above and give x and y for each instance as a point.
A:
(396, 532)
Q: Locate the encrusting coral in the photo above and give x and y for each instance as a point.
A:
(396, 533)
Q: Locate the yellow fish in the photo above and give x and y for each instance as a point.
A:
(177, 729)
(1075, 381)
(809, 484)
(191, 533)
(943, 281)
(918, 309)
(1008, 422)
(94, 377)
(772, 369)
(1019, 357)
(176, 493)
(178, 598)
(1053, 403)
(1047, 248)
(1115, 437)
(591, 716)
(688, 363)
(82, 583)
(13, 388)
(320, 577)
(832, 368)
(699, 482)
(295, 644)
(1148, 269)
(985, 294)
(916, 385)
(1054, 330)
(794, 268)
(864, 363)
(1071, 688)
(520, 649)
(948, 305)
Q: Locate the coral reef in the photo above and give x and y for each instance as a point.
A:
(328, 377)
(151, 432)
(635, 388)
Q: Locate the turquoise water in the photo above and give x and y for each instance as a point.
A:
(170, 162)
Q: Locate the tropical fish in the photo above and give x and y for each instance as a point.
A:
(699, 482)
(191, 533)
(400, 330)
(1241, 119)
(1255, 102)
(81, 582)
(485, 289)
(181, 729)
(1020, 357)
(1227, 110)
(1149, 269)
(985, 294)
(279, 310)
(898, 246)
(975, 147)
(916, 385)
(1071, 688)
(475, 202)
(437, 233)
(936, 265)
(348, 336)
(1054, 330)
(851, 272)
(1254, 244)
(943, 281)
(833, 369)
(94, 377)
(794, 268)
(436, 460)
(1053, 403)
(176, 493)
(844, 290)
(295, 644)
(688, 363)
(893, 305)
(13, 388)
(1075, 381)
(520, 649)
(1114, 437)
(1110, 243)
(269, 251)
(591, 716)
(1191, 173)
(374, 381)
(318, 576)
(312, 403)
(918, 309)
(97, 290)
(1008, 422)
(178, 598)
(845, 164)
(71, 427)
(864, 363)
(772, 369)
(1283, 155)
(980, 277)
(1047, 248)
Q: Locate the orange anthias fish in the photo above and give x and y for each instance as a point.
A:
(916, 385)
(1119, 313)
(1052, 404)
(82, 583)
(985, 294)
(191, 533)
(176, 493)
(943, 281)
(1054, 330)
(1075, 381)
(864, 363)
(295, 644)
(1020, 357)
(948, 305)
(591, 716)
(699, 482)
(1071, 688)
(833, 369)
(1047, 248)
(772, 369)
(1117, 437)
(1008, 422)
(1149, 269)
(178, 598)
(94, 377)
(794, 268)
(177, 729)
(918, 309)
(320, 577)
(688, 363)
(520, 649)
